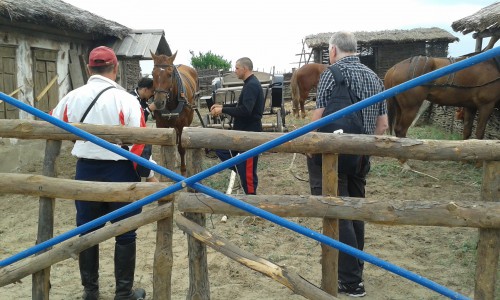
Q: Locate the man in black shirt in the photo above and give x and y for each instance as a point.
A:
(143, 92)
(247, 115)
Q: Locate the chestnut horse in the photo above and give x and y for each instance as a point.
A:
(303, 80)
(175, 91)
(476, 88)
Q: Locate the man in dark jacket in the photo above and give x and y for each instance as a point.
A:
(247, 115)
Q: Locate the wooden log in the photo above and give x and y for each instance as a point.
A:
(439, 212)
(199, 285)
(164, 258)
(383, 146)
(329, 255)
(30, 129)
(488, 248)
(70, 248)
(44, 186)
(41, 280)
(280, 274)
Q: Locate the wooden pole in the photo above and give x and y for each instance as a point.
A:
(38, 185)
(318, 142)
(438, 212)
(329, 255)
(280, 274)
(70, 248)
(41, 280)
(199, 285)
(164, 257)
(488, 248)
(46, 89)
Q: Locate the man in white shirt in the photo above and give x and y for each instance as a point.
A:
(102, 101)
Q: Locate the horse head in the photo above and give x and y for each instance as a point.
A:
(163, 80)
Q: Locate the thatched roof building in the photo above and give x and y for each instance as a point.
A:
(45, 45)
(370, 38)
(380, 50)
(484, 23)
(59, 15)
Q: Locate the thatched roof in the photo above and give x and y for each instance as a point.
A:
(486, 21)
(60, 15)
(370, 38)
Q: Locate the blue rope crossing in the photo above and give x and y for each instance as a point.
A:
(192, 181)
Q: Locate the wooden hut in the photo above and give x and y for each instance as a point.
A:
(45, 45)
(380, 50)
(484, 23)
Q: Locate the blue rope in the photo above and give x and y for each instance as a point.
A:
(193, 180)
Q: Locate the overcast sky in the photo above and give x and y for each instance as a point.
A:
(271, 32)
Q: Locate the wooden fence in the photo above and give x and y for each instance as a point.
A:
(484, 215)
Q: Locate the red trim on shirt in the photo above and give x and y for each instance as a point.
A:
(249, 176)
(137, 149)
(65, 115)
(122, 117)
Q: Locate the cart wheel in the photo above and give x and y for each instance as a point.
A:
(279, 120)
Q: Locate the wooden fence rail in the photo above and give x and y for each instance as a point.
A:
(484, 215)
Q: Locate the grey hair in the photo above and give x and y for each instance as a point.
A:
(345, 41)
(246, 62)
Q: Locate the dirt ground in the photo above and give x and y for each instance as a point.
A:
(444, 255)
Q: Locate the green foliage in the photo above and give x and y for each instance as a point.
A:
(209, 60)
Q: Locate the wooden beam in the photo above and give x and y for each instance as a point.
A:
(44, 186)
(438, 212)
(70, 248)
(46, 89)
(30, 129)
(383, 145)
(280, 274)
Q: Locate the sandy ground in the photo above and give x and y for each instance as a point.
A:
(444, 255)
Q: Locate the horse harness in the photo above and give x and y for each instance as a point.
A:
(414, 61)
(181, 94)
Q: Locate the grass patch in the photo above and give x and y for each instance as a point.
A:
(429, 132)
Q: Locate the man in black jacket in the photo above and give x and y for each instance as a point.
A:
(247, 115)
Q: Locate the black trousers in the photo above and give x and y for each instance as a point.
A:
(246, 170)
(351, 232)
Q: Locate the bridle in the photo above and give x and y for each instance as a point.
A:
(162, 91)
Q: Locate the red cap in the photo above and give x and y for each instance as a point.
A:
(102, 56)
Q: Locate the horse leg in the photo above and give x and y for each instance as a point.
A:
(468, 117)
(484, 114)
(295, 108)
(302, 109)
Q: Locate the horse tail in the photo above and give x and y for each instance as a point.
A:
(294, 85)
(392, 104)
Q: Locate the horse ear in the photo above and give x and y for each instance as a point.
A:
(153, 56)
(173, 56)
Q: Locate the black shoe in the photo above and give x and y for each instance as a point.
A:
(356, 289)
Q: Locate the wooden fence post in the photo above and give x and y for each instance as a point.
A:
(41, 280)
(164, 258)
(330, 256)
(199, 286)
(488, 247)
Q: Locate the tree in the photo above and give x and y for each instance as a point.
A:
(209, 60)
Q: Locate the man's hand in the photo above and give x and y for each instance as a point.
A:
(216, 110)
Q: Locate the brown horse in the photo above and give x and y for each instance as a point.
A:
(476, 88)
(175, 90)
(303, 80)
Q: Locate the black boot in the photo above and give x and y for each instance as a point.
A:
(124, 273)
(88, 260)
